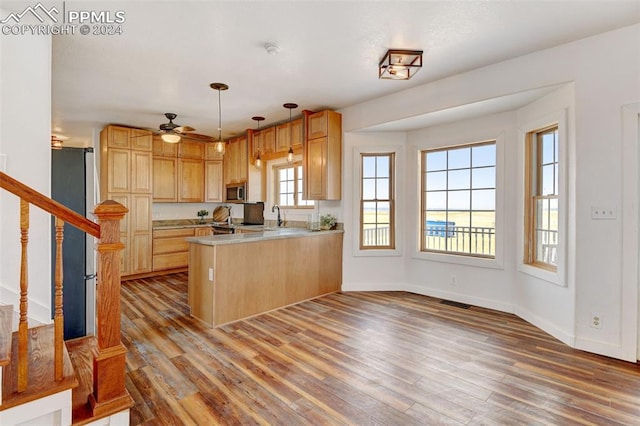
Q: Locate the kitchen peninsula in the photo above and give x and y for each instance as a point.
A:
(239, 275)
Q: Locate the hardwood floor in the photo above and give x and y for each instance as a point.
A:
(383, 358)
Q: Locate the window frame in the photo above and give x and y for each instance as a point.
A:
(391, 200)
(422, 200)
(533, 176)
(276, 186)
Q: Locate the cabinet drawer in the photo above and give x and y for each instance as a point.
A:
(170, 245)
(177, 232)
(170, 261)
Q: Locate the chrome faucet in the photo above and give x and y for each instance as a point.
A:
(273, 209)
(229, 218)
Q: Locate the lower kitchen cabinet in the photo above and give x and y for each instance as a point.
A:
(170, 249)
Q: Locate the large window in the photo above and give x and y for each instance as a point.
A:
(376, 201)
(458, 203)
(541, 198)
(289, 186)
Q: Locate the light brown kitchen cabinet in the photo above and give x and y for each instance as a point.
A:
(141, 175)
(164, 149)
(236, 161)
(289, 135)
(213, 181)
(322, 156)
(170, 248)
(190, 180)
(141, 140)
(126, 170)
(117, 137)
(190, 149)
(204, 232)
(210, 152)
(256, 145)
(165, 180)
(268, 140)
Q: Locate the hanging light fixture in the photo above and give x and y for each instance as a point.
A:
(258, 161)
(290, 106)
(220, 143)
(400, 64)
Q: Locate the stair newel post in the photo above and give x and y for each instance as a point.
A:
(58, 316)
(23, 325)
(109, 390)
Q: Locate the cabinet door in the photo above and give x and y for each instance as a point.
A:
(230, 162)
(242, 161)
(124, 230)
(165, 179)
(162, 148)
(256, 145)
(296, 133)
(118, 164)
(204, 232)
(283, 137)
(140, 254)
(141, 172)
(191, 149)
(213, 181)
(317, 125)
(118, 137)
(211, 153)
(140, 234)
(190, 181)
(141, 140)
(269, 140)
(140, 214)
(315, 169)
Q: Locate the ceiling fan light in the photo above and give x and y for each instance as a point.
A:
(170, 137)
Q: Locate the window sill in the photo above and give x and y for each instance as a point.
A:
(480, 262)
(377, 253)
(552, 277)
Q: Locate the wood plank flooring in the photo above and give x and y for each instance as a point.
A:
(373, 358)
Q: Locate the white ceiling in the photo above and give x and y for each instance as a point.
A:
(171, 51)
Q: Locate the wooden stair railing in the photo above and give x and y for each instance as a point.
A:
(109, 394)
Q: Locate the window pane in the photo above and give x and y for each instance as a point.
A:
(459, 158)
(436, 200)
(484, 155)
(290, 173)
(484, 177)
(483, 199)
(437, 160)
(369, 212)
(436, 181)
(459, 179)
(553, 214)
(548, 180)
(383, 212)
(383, 189)
(368, 189)
(548, 148)
(459, 200)
(383, 166)
(368, 166)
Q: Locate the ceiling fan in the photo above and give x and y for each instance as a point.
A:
(172, 133)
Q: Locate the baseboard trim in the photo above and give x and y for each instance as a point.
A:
(546, 326)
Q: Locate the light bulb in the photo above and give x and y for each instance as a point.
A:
(290, 155)
(258, 161)
(220, 147)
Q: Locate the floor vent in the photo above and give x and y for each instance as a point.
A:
(456, 304)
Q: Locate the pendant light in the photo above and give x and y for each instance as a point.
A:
(258, 162)
(290, 106)
(220, 142)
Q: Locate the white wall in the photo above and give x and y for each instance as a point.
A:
(25, 111)
(605, 71)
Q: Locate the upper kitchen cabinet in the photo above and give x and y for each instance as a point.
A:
(141, 140)
(322, 156)
(210, 152)
(289, 135)
(190, 180)
(116, 137)
(236, 161)
(164, 149)
(165, 179)
(268, 140)
(191, 149)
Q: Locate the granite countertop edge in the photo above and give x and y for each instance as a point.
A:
(224, 239)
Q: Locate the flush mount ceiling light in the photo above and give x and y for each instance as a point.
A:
(220, 143)
(399, 64)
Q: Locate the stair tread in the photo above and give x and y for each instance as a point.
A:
(41, 382)
(6, 325)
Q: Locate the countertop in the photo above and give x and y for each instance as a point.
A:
(271, 234)
(180, 223)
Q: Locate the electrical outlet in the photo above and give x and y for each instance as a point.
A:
(603, 213)
(453, 281)
(210, 274)
(596, 320)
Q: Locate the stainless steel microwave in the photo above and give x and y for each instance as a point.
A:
(236, 193)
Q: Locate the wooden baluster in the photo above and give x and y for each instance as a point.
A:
(109, 356)
(23, 325)
(58, 317)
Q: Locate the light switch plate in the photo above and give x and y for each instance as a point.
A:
(603, 213)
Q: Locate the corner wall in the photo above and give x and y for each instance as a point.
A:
(25, 131)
